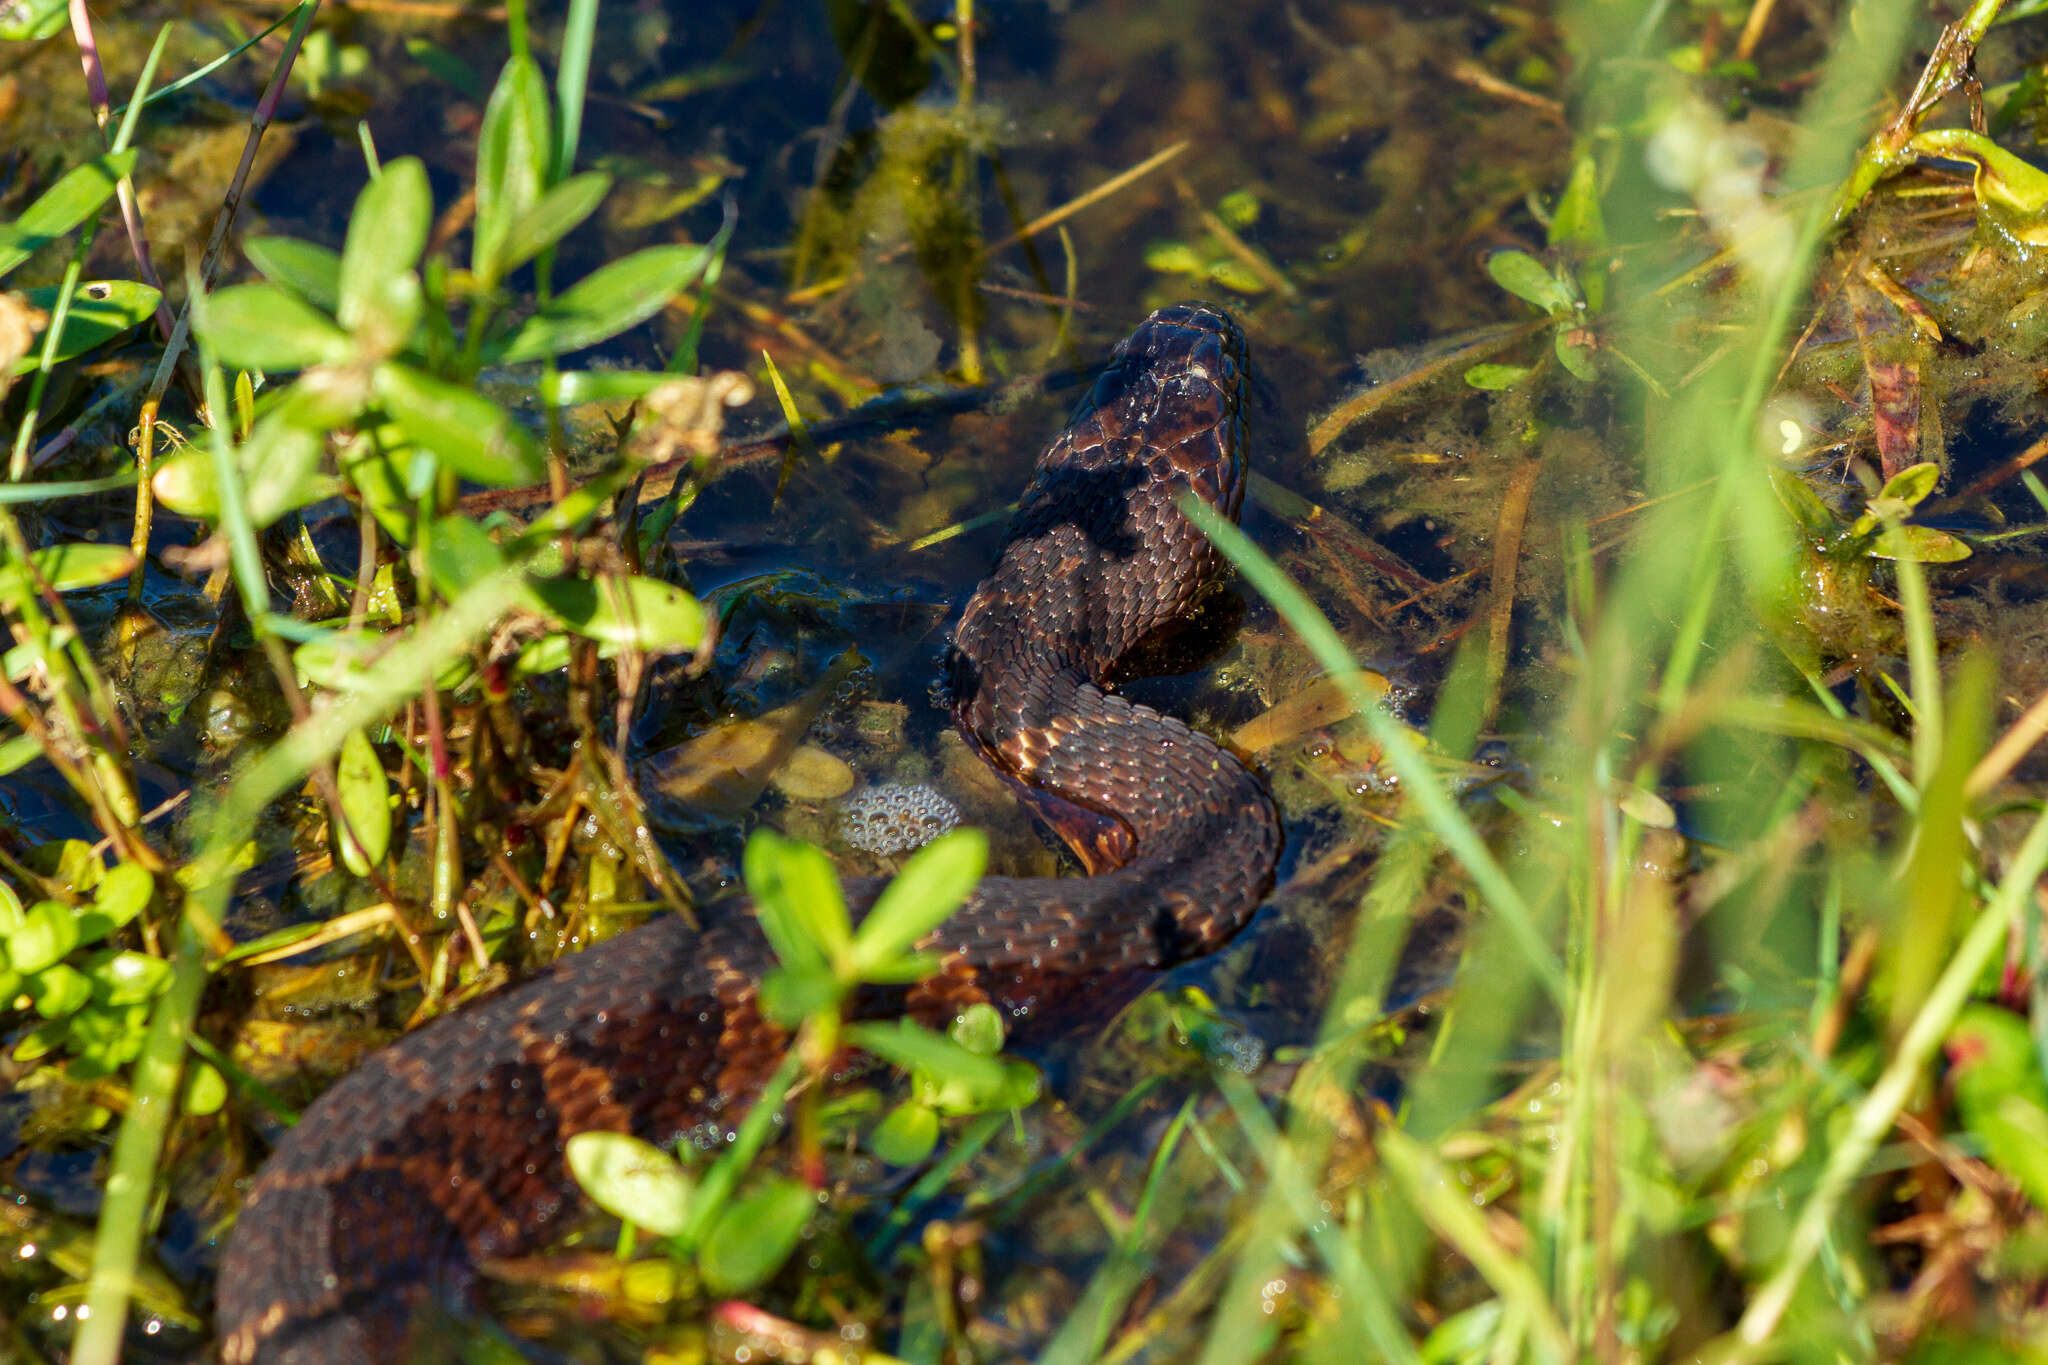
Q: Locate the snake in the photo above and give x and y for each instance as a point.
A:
(444, 1150)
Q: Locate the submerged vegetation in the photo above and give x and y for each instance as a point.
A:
(1640, 625)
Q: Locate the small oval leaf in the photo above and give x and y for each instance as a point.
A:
(631, 1180)
(755, 1236)
(365, 802)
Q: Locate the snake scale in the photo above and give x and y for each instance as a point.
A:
(445, 1149)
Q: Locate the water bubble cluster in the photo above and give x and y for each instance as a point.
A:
(896, 817)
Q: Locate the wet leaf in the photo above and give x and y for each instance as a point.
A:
(78, 195)
(1496, 377)
(1911, 485)
(1814, 520)
(626, 611)
(979, 1029)
(1529, 280)
(907, 1135)
(631, 1180)
(261, 327)
(365, 802)
(1921, 544)
(931, 886)
(755, 1236)
(1577, 359)
(100, 311)
(813, 774)
(722, 772)
(1324, 702)
(2012, 192)
(1577, 221)
(468, 432)
(513, 150)
(606, 302)
(310, 271)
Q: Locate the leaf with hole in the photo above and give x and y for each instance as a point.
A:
(100, 311)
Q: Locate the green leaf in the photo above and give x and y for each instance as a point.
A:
(1809, 513)
(1920, 544)
(365, 801)
(755, 1236)
(631, 1180)
(58, 991)
(979, 1029)
(1578, 360)
(931, 886)
(606, 302)
(261, 327)
(554, 217)
(797, 899)
(939, 1058)
(513, 151)
(790, 995)
(626, 611)
(1495, 377)
(1529, 280)
(1911, 485)
(122, 895)
(1577, 222)
(31, 20)
(15, 754)
(48, 930)
(281, 461)
(76, 565)
(188, 484)
(468, 432)
(78, 195)
(205, 1090)
(128, 978)
(907, 1135)
(380, 293)
(100, 311)
(308, 270)
(567, 388)
(458, 553)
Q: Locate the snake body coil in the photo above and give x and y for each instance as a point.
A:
(445, 1149)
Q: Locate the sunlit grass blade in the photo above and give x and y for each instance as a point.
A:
(1420, 782)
